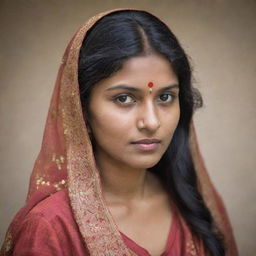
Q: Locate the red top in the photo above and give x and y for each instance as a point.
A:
(50, 230)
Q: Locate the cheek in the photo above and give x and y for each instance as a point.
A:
(176, 117)
(173, 116)
(171, 123)
(110, 126)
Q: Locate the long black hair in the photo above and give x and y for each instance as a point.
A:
(112, 40)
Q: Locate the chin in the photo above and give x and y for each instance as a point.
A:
(145, 164)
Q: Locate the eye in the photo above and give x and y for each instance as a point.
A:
(124, 99)
(166, 97)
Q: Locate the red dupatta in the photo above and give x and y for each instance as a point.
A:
(66, 160)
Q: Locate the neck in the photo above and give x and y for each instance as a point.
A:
(123, 183)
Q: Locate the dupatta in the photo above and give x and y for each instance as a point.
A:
(66, 160)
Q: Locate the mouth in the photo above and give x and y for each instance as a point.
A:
(147, 144)
(146, 141)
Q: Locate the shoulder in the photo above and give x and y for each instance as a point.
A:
(51, 214)
(55, 205)
(50, 229)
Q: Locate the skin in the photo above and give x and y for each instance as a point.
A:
(121, 116)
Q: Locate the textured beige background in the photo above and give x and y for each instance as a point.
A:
(218, 35)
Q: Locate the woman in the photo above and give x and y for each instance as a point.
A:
(119, 172)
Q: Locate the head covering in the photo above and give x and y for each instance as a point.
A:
(66, 160)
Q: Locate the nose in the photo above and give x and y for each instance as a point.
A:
(148, 118)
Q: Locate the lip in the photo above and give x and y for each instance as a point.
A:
(146, 141)
(147, 144)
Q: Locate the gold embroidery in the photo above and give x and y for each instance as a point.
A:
(60, 185)
(191, 249)
(42, 181)
(58, 161)
(62, 159)
(8, 243)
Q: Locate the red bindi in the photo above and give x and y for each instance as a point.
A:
(150, 84)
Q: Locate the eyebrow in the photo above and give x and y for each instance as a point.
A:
(126, 87)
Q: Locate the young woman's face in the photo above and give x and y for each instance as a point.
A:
(123, 111)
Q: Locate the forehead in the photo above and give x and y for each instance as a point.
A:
(139, 71)
(152, 68)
